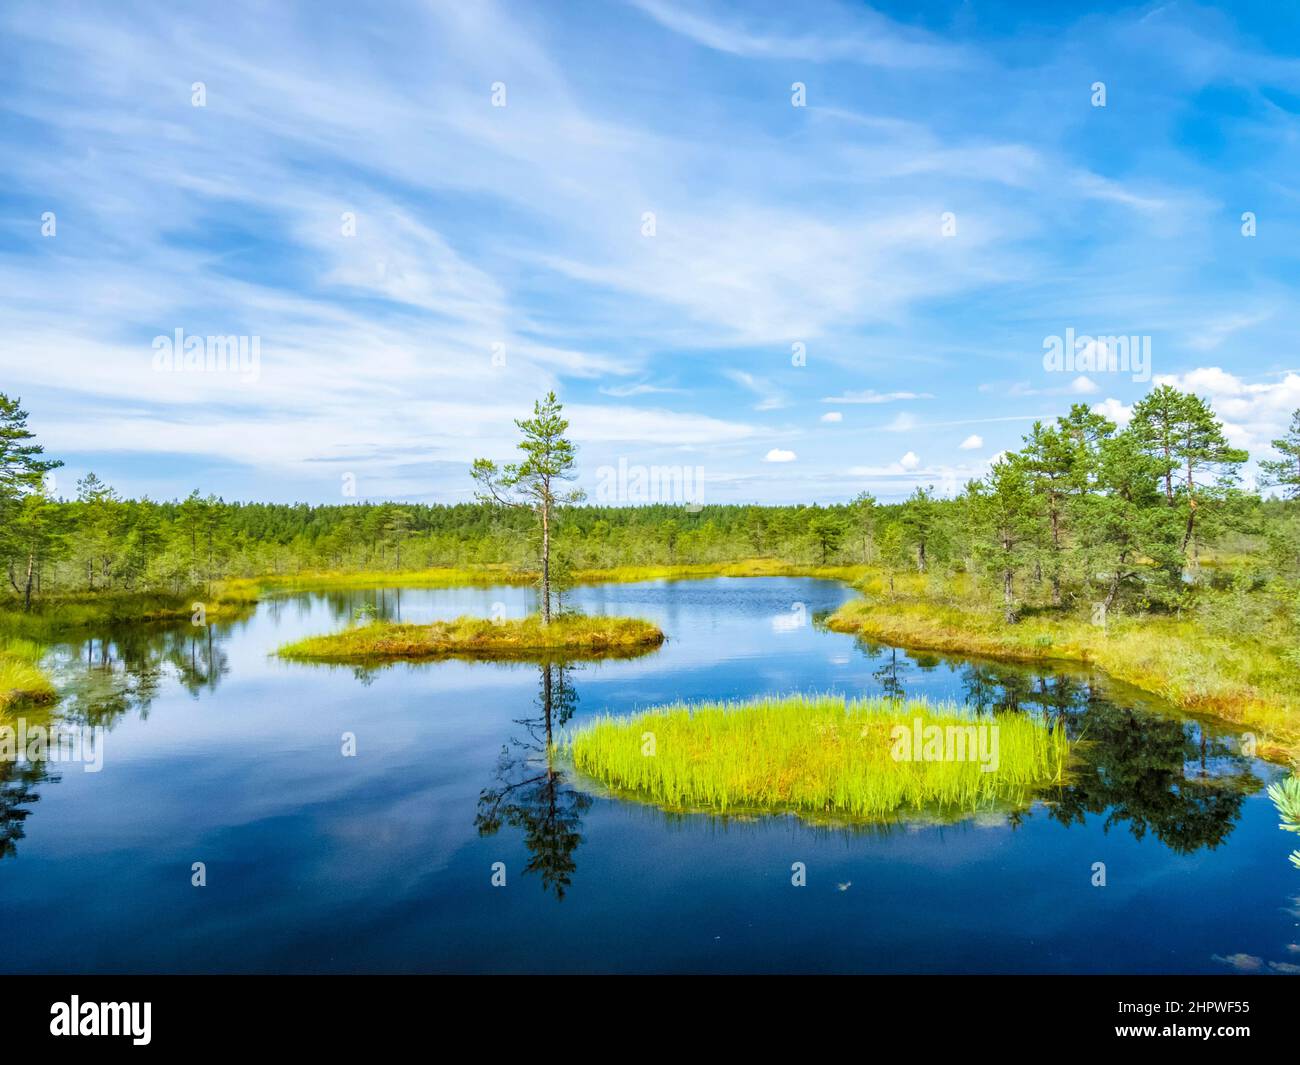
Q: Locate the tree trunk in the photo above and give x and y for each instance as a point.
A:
(1056, 555)
(27, 590)
(1191, 507)
(546, 703)
(546, 562)
(1112, 591)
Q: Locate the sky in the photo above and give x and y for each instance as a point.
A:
(799, 251)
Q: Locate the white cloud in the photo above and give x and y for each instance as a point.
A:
(909, 461)
(639, 389)
(884, 44)
(870, 395)
(1116, 411)
(1253, 413)
(832, 416)
(896, 480)
(779, 455)
(1084, 386)
(610, 423)
(769, 396)
(972, 443)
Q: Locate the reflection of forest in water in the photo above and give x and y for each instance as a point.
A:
(357, 604)
(1150, 770)
(102, 677)
(1141, 768)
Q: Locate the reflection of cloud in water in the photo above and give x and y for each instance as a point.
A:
(1243, 963)
(796, 618)
(1249, 963)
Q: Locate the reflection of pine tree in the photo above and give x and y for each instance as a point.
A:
(121, 670)
(889, 675)
(1135, 772)
(1150, 773)
(16, 794)
(530, 794)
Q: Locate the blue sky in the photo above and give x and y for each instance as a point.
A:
(946, 199)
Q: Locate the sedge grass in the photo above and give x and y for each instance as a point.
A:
(568, 635)
(815, 755)
(21, 677)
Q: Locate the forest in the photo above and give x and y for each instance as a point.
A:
(1139, 519)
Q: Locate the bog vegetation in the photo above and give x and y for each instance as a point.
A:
(1138, 547)
(572, 636)
(822, 755)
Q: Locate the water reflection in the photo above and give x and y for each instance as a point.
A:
(1140, 768)
(106, 675)
(102, 677)
(1146, 770)
(531, 793)
(18, 781)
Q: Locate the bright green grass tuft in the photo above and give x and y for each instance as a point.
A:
(814, 755)
(568, 635)
(21, 676)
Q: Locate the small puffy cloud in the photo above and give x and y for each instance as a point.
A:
(1113, 409)
(972, 443)
(779, 455)
(909, 461)
(1084, 386)
(832, 416)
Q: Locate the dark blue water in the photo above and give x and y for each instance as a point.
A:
(383, 862)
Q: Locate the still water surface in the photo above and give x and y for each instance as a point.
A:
(218, 753)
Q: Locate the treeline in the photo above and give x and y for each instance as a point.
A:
(1084, 512)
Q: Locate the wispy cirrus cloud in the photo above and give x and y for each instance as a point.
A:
(911, 247)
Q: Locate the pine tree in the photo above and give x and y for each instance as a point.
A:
(863, 509)
(1004, 509)
(1284, 473)
(1050, 459)
(893, 550)
(550, 459)
(1127, 520)
(1180, 430)
(827, 532)
(28, 526)
(1157, 423)
(919, 522)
